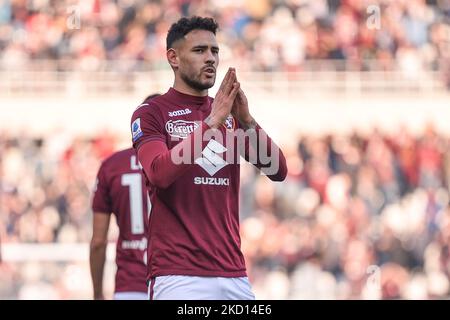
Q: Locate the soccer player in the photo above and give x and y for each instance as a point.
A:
(194, 242)
(120, 189)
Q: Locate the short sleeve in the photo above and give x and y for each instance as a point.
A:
(101, 201)
(146, 125)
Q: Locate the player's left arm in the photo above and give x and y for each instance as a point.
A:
(260, 149)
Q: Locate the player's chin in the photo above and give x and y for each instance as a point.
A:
(208, 82)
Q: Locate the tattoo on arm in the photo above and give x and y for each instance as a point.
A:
(250, 125)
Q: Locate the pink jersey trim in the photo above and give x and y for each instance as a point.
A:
(152, 284)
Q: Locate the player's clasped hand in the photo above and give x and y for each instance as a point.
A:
(224, 100)
(240, 109)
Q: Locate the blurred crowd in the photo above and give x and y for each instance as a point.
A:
(359, 216)
(266, 35)
(46, 186)
(45, 193)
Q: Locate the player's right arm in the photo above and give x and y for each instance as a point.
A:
(102, 208)
(152, 150)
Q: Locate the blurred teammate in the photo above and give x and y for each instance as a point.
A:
(194, 242)
(120, 189)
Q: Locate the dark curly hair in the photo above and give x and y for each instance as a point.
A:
(185, 25)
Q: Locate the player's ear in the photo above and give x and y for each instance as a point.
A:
(172, 58)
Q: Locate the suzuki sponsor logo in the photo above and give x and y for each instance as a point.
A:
(212, 181)
(180, 128)
(177, 113)
(211, 160)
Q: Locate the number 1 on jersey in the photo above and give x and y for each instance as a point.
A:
(134, 182)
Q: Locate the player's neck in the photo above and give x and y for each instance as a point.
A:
(182, 87)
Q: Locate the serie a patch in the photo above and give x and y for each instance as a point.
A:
(136, 130)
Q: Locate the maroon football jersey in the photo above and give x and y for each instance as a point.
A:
(121, 190)
(194, 222)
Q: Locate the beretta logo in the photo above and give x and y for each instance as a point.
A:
(180, 128)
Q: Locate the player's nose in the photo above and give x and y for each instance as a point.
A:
(210, 57)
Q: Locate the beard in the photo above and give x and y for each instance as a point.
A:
(196, 84)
